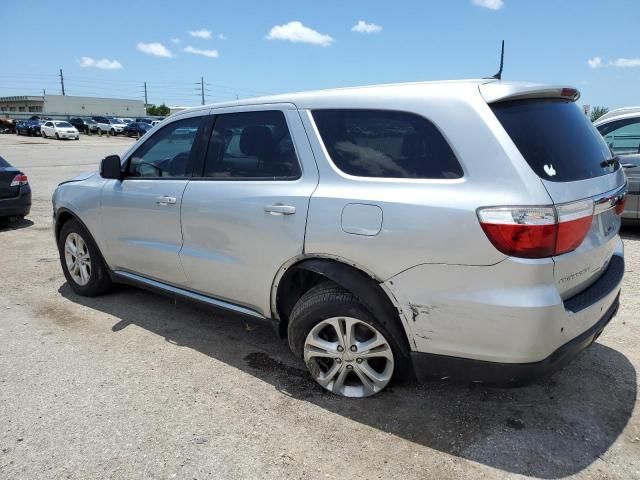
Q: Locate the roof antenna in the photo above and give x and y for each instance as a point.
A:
(498, 76)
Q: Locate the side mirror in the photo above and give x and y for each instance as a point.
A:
(110, 167)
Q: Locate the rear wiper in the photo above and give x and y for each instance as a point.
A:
(608, 163)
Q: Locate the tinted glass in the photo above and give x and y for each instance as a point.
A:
(379, 143)
(622, 136)
(556, 139)
(4, 163)
(168, 153)
(63, 124)
(251, 145)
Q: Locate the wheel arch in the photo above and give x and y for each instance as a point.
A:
(301, 273)
(63, 215)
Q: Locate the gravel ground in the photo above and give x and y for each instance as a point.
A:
(131, 385)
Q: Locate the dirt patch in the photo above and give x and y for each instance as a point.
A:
(59, 315)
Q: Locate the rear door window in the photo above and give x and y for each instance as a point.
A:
(251, 145)
(622, 136)
(556, 139)
(388, 144)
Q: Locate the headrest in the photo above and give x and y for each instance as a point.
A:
(256, 140)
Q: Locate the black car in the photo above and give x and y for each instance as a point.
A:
(15, 192)
(84, 125)
(144, 120)
(28, 127)
(135, 129)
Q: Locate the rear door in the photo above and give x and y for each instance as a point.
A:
(573, 162)
(141, 214)
(631, 165)
(246, 215)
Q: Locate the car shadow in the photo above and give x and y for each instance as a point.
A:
(630, 232)
(551, 429)
(6, 225)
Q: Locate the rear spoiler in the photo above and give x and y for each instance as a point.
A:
(493, 92)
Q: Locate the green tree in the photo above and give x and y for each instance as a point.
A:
(597, 112)
(158, 111)
(162, 110)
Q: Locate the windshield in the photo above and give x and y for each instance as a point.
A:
(63, 125)
(556, 139)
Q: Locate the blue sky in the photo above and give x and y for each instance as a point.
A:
(109, 48)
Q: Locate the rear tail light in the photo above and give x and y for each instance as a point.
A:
(537, 232)
(18, 180)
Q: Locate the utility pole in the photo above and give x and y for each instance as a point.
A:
(62, 82)
(202, 88)
(145, 96)
(44, 92)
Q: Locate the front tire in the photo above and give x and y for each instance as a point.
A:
(112, 132)
(44, 134)
(82, 265)
(57, 136)
(346, 350)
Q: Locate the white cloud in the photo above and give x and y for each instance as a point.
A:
(364, 27)
(490, 4)
(202, 33)
(155, 48)
(103, 63)
(198, 51)
(222, 36)
(626, 62)
(176, 40)
(595, 62)
(297, 32)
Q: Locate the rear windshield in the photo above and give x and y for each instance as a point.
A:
(556, 139)
(4, 163)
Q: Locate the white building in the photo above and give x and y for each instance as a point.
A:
(71, 106)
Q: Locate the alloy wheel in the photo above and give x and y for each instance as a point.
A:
(348, 357)
(77, 259)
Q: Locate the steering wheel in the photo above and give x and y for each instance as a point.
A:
(176, 166)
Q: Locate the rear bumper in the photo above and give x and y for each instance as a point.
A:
(504, 317)
(429, 366)
(17, 206)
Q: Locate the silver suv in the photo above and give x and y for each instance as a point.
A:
(463, 230)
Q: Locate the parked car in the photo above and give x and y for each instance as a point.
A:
(15, 192)
(126, 121)
(28, 127)
(60, 130)
(7, 125)
(84, 125)
(113, 126)
(135, 129)
(622, 134)
(466, 229)
(144, 120)
(155, 122)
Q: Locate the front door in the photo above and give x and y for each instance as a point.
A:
(246, 215)
(141, 213)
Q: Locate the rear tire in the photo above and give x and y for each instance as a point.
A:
(345, 348)
(81, 262)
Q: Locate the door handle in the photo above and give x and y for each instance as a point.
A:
(280, 209)
(166, 200)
